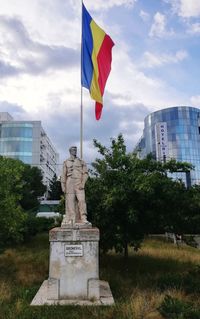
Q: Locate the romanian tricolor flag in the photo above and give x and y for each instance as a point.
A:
(96, 59)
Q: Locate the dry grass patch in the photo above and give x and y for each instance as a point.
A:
(28, 275)
(143, 304)
(19, 306)
(139, 284)
(24, 266)
(158, 249)
(5, 292)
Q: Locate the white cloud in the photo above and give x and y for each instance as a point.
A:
(151, 60)
(144, 15)
(51, 22)
(99, 4)
(130, 85)
(47, 86)
(194, 28)
(158, 28)
(185, 8)
(195, 100)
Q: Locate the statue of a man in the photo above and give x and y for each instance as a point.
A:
(73, 179)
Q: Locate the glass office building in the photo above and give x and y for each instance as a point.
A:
(28, 142)
(173, 133)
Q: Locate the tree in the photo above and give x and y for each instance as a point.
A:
(112, 197)
(128, 197)
(32, 188)
(20, 187)
(192, 218)
(55, 190)
(11, 214)
(163, 201)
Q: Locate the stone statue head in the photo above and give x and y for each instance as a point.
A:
(73, 150)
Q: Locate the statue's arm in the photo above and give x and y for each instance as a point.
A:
(63, 178)
(85, 174)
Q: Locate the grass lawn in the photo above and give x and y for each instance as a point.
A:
(139, 286)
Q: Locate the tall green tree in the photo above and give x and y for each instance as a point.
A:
(55, 191)
(163, 202)
(12, 216)
(128, 197)
(20, 187)
(192, 218)
(32, 188)
(112, 197)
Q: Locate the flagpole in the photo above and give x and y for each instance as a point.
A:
(81, 125)
(81, 111)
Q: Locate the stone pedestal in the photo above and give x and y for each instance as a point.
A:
(74, 263)
(74, 269)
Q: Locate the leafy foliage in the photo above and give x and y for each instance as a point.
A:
(55, 191)
(188, 282)
(192, 281)
(61, 206)
(32, 188)
(12, 216)
(112, 197)
(128, 197)
(173, 308)
(36, 225)
(20, 187)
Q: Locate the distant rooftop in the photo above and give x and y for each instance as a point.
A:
(5, 117)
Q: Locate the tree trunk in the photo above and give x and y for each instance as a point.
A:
(126, 250)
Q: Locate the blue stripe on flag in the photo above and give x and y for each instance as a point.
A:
(87, 48)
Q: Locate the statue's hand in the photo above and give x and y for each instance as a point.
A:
(63, 189)
(81, 186)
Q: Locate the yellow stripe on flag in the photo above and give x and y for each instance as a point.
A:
(98, 36)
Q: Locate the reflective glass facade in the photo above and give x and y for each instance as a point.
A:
(16, 141)
(28, 142)
(183, 136)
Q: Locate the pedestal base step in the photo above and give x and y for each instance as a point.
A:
(106, 298)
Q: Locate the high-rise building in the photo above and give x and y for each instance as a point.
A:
(28, 142)
(173, 133)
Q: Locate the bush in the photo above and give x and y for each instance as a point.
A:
(190, 241)
(170, 281)
(20, 187)
(36, 225)
(192, 314)
(172, 308)
(192, 281)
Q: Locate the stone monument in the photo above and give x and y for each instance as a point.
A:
(74, 248)
(73, 179)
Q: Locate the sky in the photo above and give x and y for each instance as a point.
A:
(155, 65)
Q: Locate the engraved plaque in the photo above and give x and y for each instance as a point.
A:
(73, 250)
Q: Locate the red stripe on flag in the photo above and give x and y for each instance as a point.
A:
(104, 59)
(98, 110)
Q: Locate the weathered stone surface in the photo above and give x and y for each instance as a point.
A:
(53, 289)
(41, 298)
(73, 179)
(74, 234)
(73, 272)
(93, 289)
(74, 269)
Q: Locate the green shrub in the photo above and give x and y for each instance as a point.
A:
(192, 281)
(36, 225)
(189, 282)
(189, 240)
(192, 314)
(170, 281)
(173, 308)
